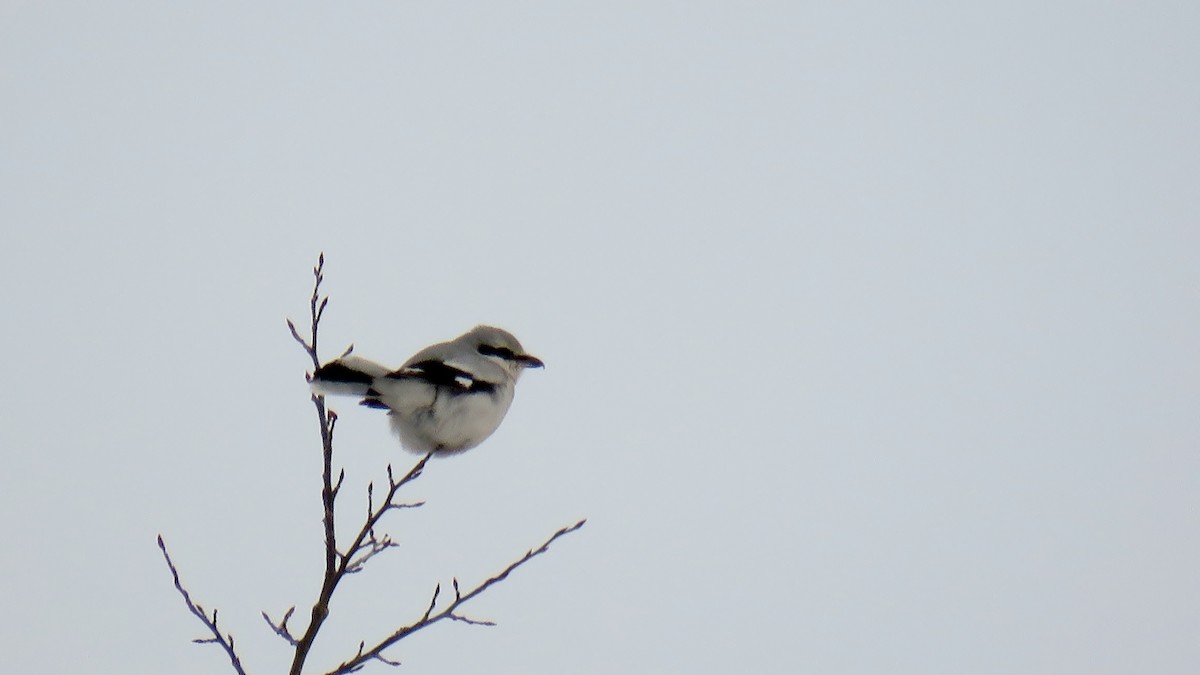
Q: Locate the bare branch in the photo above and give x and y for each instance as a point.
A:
(281, 628)
(365, 544)
(449, 612)
(529, 555)
(467, 619)
(395, 664)
(433, 602)
(327, 420)
(370, 548)
(338, 486)
(226, 640)
(316, 308)
(303, 343)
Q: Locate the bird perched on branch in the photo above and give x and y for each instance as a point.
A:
(447, 398)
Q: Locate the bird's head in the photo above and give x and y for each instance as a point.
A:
(501, 347)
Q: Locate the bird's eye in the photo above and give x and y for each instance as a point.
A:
(502, 352)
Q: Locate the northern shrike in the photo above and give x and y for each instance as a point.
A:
(447, 398)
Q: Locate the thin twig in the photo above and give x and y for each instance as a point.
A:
(365, 544)
(365, 539)
(281, 628)
(327, 421)
(226, 641)
(450, 611)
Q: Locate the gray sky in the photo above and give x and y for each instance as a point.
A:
(871, 329)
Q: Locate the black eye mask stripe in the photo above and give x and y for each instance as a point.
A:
(503, 352)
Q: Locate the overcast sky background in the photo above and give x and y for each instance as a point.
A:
(871, 329)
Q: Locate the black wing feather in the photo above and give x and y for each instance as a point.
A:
(336, 371)
(372, 401)
(441, 374)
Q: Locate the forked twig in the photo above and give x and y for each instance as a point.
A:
(327, 420)
(449, 612)
(281, 628)
(226, 641)
(365, 544)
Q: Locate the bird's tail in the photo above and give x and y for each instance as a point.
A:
(347, 376)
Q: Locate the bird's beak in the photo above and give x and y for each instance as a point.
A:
(529, 361)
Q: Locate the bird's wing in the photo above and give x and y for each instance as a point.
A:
(444, 375)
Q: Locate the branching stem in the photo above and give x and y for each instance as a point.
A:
(226, 641)
(449, 612)
(364, 546)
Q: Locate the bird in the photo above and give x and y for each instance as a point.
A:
(449, 397)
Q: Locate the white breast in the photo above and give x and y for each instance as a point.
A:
(431, 420)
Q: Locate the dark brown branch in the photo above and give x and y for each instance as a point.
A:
(450, 611)
(365, 540)
(365, 544)
(281, 628)
(226, 641)
(395, 664)
(317, 308)
(327, 420)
